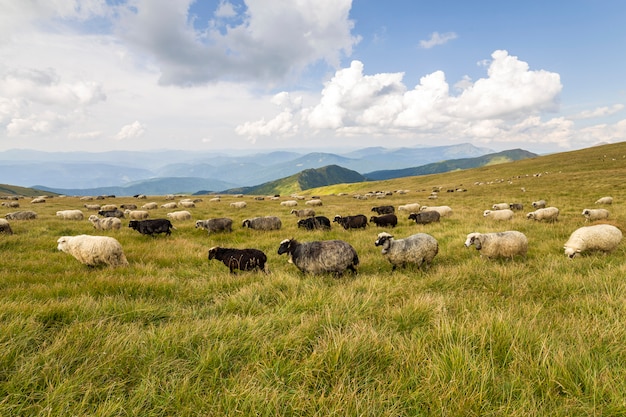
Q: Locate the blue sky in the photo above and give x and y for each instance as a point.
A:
(97, 75)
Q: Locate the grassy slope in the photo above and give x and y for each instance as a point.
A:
(174, 334)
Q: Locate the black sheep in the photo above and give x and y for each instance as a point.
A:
(242, 259)
(351, 222)
(152, 226)
(383, 209)
(385, 220)
(425, 217)
(312, 223)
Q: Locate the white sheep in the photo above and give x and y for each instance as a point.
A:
(179, 215)
(500, 206)
(600, 237)
(548, 214)
(289, 203)
(70, 214)
(444, 211)
(506, 214)
(595, 214)
(314, 202)
(150, 206)
(539, 204)
(499, 245)
(238, 204)
(5, 227)
(187, 204)
(108, 207)
(605, 200)
(106, 223)
(38, 200)
(410, 207)
(419, 249)
(136, 214)
(93, 250)
(169, 206)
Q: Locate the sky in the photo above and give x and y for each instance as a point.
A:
(326, 75)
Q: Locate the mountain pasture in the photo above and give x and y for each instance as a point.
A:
(176, 334)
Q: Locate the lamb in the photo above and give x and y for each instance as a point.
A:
(539, 204)
(180, 215)
(600, 238)
(289, 203)
(136, 214)
(605, 200)
(242, 259)
(500, 206)
(21, 215)
(263, 223)
(411, 207)
(303, 212)
(499, 245)
(444, 211)
(314, 202)
(5, 227)
(548, 214)
(385, 220)
(425, 217)
(70, 214)
(221, 224)
(506, 214)
(419, 249)
(595, 214)
(107, 223)
(239, 204)
(93, 250)
(150, 206)
(322, 256)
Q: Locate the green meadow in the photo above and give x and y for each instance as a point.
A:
(174, 334)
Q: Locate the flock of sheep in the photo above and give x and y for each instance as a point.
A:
(325, 256)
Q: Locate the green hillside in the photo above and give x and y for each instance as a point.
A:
(8, 190)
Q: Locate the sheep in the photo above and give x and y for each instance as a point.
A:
(539, 204)
(444, 211)
(179, 215)
(411, 207)
(94, 207)
(605, 200)
(263, 223)
(38, 200)
(136, 214)
(187, 204)
(499, 244)
(108, 207)
(215, 200)
(322, 256)
(595, 214)
(93, 250)
(106, 223)
(111, 213)
(383, 209)
(357, 221)
(500, 206)
(150, 206)
(5, 227)
(152, 226)
(425, 217)
(419, 249)
(385, 220)
(70, 214)
(600, 238)
(549, 214)
(239, 204)
(242, 259)
(516, 206)
(128, 206)
(169, 206)
(313, 223)
(314, 202)
(506, 214)
(289, 203)
(21, 215)
(303, 212)
(221, 224)
(11, 204)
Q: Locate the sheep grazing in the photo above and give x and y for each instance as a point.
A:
(21, 215)
(180, 215)
(419, 249)
(136, 214)
(239, 204)
(93, 250)
(385, 220)
(94, 207)
(169, 206)
(111, 213)
(242, 259)
(314, 223)
(263, 223)
(500, 206)
(70, 214)
(220, 224)
(108, 207)
(38, 200)
(411, 207)
(548, 214)
(444, 211)
(314, 202)
(502, 214)
(605, 200)
(425, 217)
(598, 238)
(150, 206)
(499, 245)
(318, 257)
(383, 209)
(595, 214)
(152, 226)
(357, 221)
(5, 227)
(106, 223)
(187, 204)
(128, 206)
(516, 206)
(303, 212)
(289, 203)
(539, 204)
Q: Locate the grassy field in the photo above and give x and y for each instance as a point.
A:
(175, 334)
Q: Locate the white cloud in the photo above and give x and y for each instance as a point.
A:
(599, 112)
(132, 131)
(437, 39)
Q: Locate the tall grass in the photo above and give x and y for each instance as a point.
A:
(176, 334)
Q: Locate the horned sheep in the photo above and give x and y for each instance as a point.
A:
(242, 259)
(220, 224)
(70, 214)
(419, 249)
(548, 214)
(595, 214)
(499, 244)
(599, 238)
(318, 257)
(106, 223)
(93, 250)
(506, 214)
(263, 223)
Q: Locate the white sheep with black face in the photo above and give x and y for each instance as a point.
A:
(499, 244)
(93, 250)
(597, 238)
(591, 215)
(419, 249)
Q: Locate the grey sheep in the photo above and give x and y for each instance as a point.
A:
(539, 204)
(425, 217)
(500, 244)
(595, 214)
(303, 212)
(323, 256)
(419, 249)
(600, 238)
(21, 215)
(548, 214)
(220, 224)
(5, 227)
(263, 223)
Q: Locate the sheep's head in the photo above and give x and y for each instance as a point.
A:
(473, 239)
(586, 212)
(337, 218)
(286, 246)
(530, 216)
(213, 252)
(570, 252)
(62, 243)
(384, 240)
(486, 213)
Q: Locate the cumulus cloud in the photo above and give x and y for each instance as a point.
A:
(599, 112)
(437, 39)
(132, 131)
